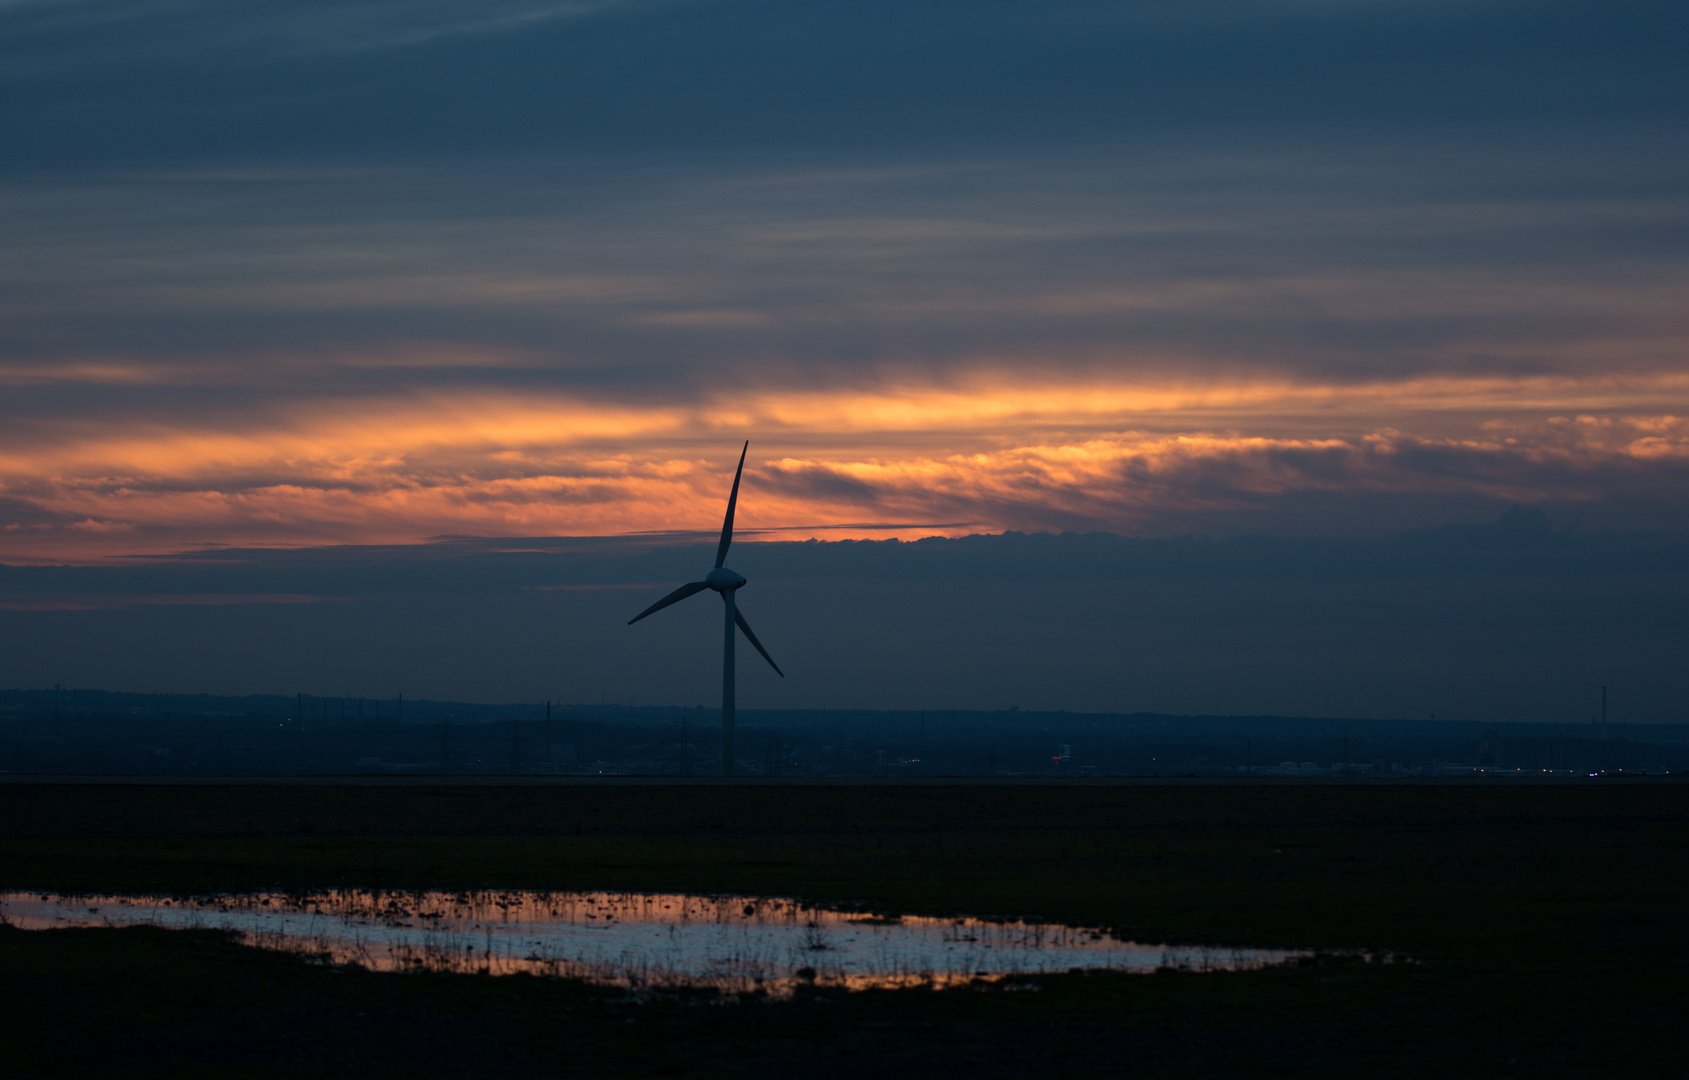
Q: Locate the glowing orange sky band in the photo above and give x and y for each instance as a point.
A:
(992, 453)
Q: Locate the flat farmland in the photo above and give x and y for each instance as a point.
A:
(1532, 928)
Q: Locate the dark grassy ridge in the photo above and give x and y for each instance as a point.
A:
(1548, 925)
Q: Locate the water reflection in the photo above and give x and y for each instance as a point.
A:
(639, 941)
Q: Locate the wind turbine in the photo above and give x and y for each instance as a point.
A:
(725, 582)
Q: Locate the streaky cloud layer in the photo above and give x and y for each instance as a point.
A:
(1035, 456)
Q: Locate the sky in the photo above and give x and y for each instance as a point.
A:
(367, 275)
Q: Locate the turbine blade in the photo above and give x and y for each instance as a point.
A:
(739, 618)
(732, 501)
(672, 598)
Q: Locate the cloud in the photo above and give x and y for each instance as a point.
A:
(104, 81)
(364, 357)
(325, 273)
(1032, 456)
(1513, 618)
(66, 33)
(1164, 260)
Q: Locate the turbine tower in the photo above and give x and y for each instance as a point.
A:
(725, 582)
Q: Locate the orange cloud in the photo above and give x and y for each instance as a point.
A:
(991, 454)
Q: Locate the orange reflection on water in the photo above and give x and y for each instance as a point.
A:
(638, 941)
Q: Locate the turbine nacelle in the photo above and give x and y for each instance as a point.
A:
(721, 579)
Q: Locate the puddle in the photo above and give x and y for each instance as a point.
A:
(639, 941)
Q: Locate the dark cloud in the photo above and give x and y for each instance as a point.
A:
(56, 37)
(127, 289)
(330, 76)
(1526, 617)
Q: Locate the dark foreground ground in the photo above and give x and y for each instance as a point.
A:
(1547, 926)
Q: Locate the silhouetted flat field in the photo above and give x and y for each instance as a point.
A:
(1546, 927)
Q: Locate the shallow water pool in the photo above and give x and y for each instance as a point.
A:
(639, 941)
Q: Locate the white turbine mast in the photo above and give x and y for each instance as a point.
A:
(727, 583)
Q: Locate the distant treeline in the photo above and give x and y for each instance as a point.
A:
(65, 730)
